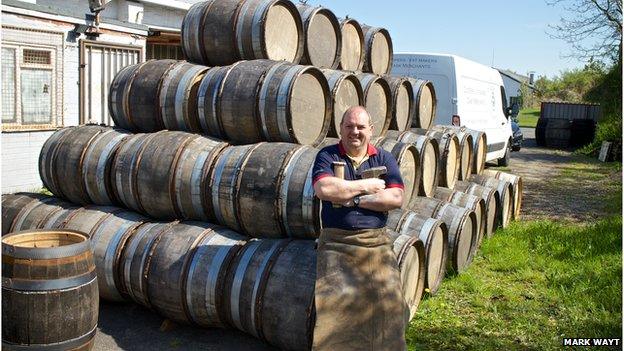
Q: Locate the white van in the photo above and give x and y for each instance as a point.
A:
(467, 89)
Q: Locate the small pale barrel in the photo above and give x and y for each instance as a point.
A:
(402, 102)
(425, 103)
(492, 202)
(462, 229)
(377, 50)
(49, 291)
(466, 148)
(434, 235)
(448, 165)
(322, 36)
(177, 97)
(505, 191)
(428, 150)
(346, 91)
(378, 101)
(468, 201)
(269, 291)
(516, 184)
(221, 32)
(410, 254)
(408, 160)
(352, 48)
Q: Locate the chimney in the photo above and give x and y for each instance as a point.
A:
(531, 78)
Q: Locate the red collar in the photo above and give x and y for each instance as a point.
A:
(371, 150)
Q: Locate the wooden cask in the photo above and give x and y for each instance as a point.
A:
(466, 148)
(492, 202)
(346, 91)
(516, 186)
(558, 133)
(221, 32)
(12, 205)
(37, 213)
(377, 50)
(505, 191)
(408, 159)
(49, 291)
(425, 103)
(402, 102)
(322, 36)
(448, 161)
(410, 254)
(352, 48)
(468, 201)
(377, 101)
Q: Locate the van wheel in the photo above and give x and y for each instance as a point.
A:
(504, 161)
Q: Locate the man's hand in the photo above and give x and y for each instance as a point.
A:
(339, 191)
(372, 185)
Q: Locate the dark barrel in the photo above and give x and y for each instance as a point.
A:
(346, 91)
(425, 103)
(410, 254)
(378, 101)
(49, 291)
(558, 133)
(269, 291)
(489, 196)
(352, 48)
(323, 36)
(408, 160)
(402, 102)
(12, 205)
(377, 50)
(36, 214)
(221, 32)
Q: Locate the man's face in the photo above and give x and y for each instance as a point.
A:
(356, 130)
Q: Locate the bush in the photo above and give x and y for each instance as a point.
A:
(609, 129)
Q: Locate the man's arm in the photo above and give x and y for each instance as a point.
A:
(382, 201)
(338, 190)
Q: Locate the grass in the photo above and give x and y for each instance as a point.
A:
(528, 117)
(534, 283)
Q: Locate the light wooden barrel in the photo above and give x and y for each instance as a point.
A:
(428, 150)
(12, 205)
(471, 202)
(221, 32)
(346, 91)
(164, 174)
(269, 291)
(265, 190)
(377, 50)
(466, 148)
(434, 235)
(322, 36)
(377, 101)
(408, 160)
(492, 202)
(480, 147)
(177, 97)
(505, 191)
(462, 229)
(352, 48)
(448, 161)
(410, 254)
(49, 291)
(76, 164)
(425, 103)
(402, 102)
(516, 185)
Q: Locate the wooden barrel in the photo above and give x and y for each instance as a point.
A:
(37, 213)
(377, 101)
(12, 205)
(118, 96)
(49, 291)
(221, 32)
(164, 174)
(377, 50)
(505, 191)
(77, 163)
(479, 140)
(462, 229)
(448, 161)
(352, 48)
(540, 131)
(177, 97)
(516, 186)
(428, 150)
(433, 234)
(346, 91)
(425, 103)
(269, 292)
(209, 99)
(322, 36)
(410, 254)
(471, 202)
(492, 202)
(557, 133)
(408, 160)
(466, 148)
(402, 102)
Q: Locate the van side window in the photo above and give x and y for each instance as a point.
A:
(504, 99)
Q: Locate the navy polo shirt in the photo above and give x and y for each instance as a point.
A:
(354, 218)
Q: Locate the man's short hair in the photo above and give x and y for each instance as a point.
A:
(354, 109)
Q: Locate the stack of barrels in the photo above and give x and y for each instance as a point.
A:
(200, 203)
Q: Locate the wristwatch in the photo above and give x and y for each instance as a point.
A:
(356, 200)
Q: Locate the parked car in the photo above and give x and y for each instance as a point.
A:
(517, 137)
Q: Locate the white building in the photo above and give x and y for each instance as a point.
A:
(53, 75)
(513, 83)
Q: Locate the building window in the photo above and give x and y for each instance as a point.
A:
(8, 85)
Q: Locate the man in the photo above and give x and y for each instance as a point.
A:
(359, 304)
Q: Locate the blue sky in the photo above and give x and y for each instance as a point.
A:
(512, 32)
